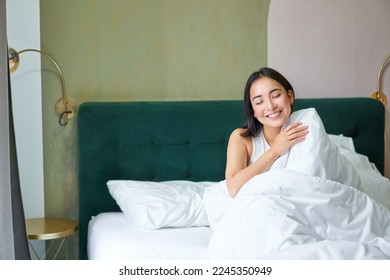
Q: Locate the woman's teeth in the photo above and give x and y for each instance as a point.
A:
(274, 115)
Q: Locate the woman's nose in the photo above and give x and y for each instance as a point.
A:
(270, 104)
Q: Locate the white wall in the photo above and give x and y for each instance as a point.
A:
(332, 48)
(23, 28)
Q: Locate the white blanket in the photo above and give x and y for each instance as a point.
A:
(311, 209)
(283, 214)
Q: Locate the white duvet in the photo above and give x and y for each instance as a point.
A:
(283, 214)
(313, 208)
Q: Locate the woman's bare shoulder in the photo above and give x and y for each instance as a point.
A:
(238, 134)
(239, 147)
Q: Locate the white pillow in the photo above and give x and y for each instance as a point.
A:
(317, 155)
(373, 182)
(154, 205)
(343, 142)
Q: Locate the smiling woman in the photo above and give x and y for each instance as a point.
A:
(254, 149)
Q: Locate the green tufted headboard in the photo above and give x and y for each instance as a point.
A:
(186, 140)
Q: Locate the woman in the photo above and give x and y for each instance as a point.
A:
(263, 142)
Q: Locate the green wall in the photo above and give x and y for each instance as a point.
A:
(131, 50)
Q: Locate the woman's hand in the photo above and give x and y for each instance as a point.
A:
(294, 133)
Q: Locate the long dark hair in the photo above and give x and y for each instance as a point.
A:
(252, 125)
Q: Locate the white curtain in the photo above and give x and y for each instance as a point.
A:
(13, 237)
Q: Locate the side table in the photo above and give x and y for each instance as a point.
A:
(50, 228)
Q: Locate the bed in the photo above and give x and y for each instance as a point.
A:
(184, 143)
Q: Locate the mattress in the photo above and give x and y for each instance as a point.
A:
(111, 236)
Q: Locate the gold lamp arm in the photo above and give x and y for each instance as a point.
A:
(380, 73)
(379, 95)
(64, 107)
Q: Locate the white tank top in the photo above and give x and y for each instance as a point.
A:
(260, 145)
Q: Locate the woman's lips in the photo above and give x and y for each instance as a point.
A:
(274, 115)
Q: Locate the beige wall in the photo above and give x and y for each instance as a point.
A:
(140, 50)
(331, 48)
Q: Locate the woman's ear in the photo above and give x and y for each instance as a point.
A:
(290, 95)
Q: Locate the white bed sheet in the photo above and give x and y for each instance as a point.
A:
(111, 236)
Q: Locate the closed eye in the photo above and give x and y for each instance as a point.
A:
(259, 102)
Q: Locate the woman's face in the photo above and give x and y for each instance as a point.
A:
(270, 102)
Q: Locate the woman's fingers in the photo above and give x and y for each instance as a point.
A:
(296, 130)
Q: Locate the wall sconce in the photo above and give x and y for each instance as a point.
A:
(378, 95)
(65, 108)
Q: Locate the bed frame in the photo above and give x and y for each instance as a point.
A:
(186, 140)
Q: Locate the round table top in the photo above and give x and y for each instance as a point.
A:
(50, 228)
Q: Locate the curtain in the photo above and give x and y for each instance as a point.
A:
(13, 237)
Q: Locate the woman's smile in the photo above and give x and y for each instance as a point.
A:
(274, 115)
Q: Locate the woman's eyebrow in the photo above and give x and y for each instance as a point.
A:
(260, 95)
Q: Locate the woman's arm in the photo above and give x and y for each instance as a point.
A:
(237, 170)
(239, 150)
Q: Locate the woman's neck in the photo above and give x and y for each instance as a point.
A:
(270, 134)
